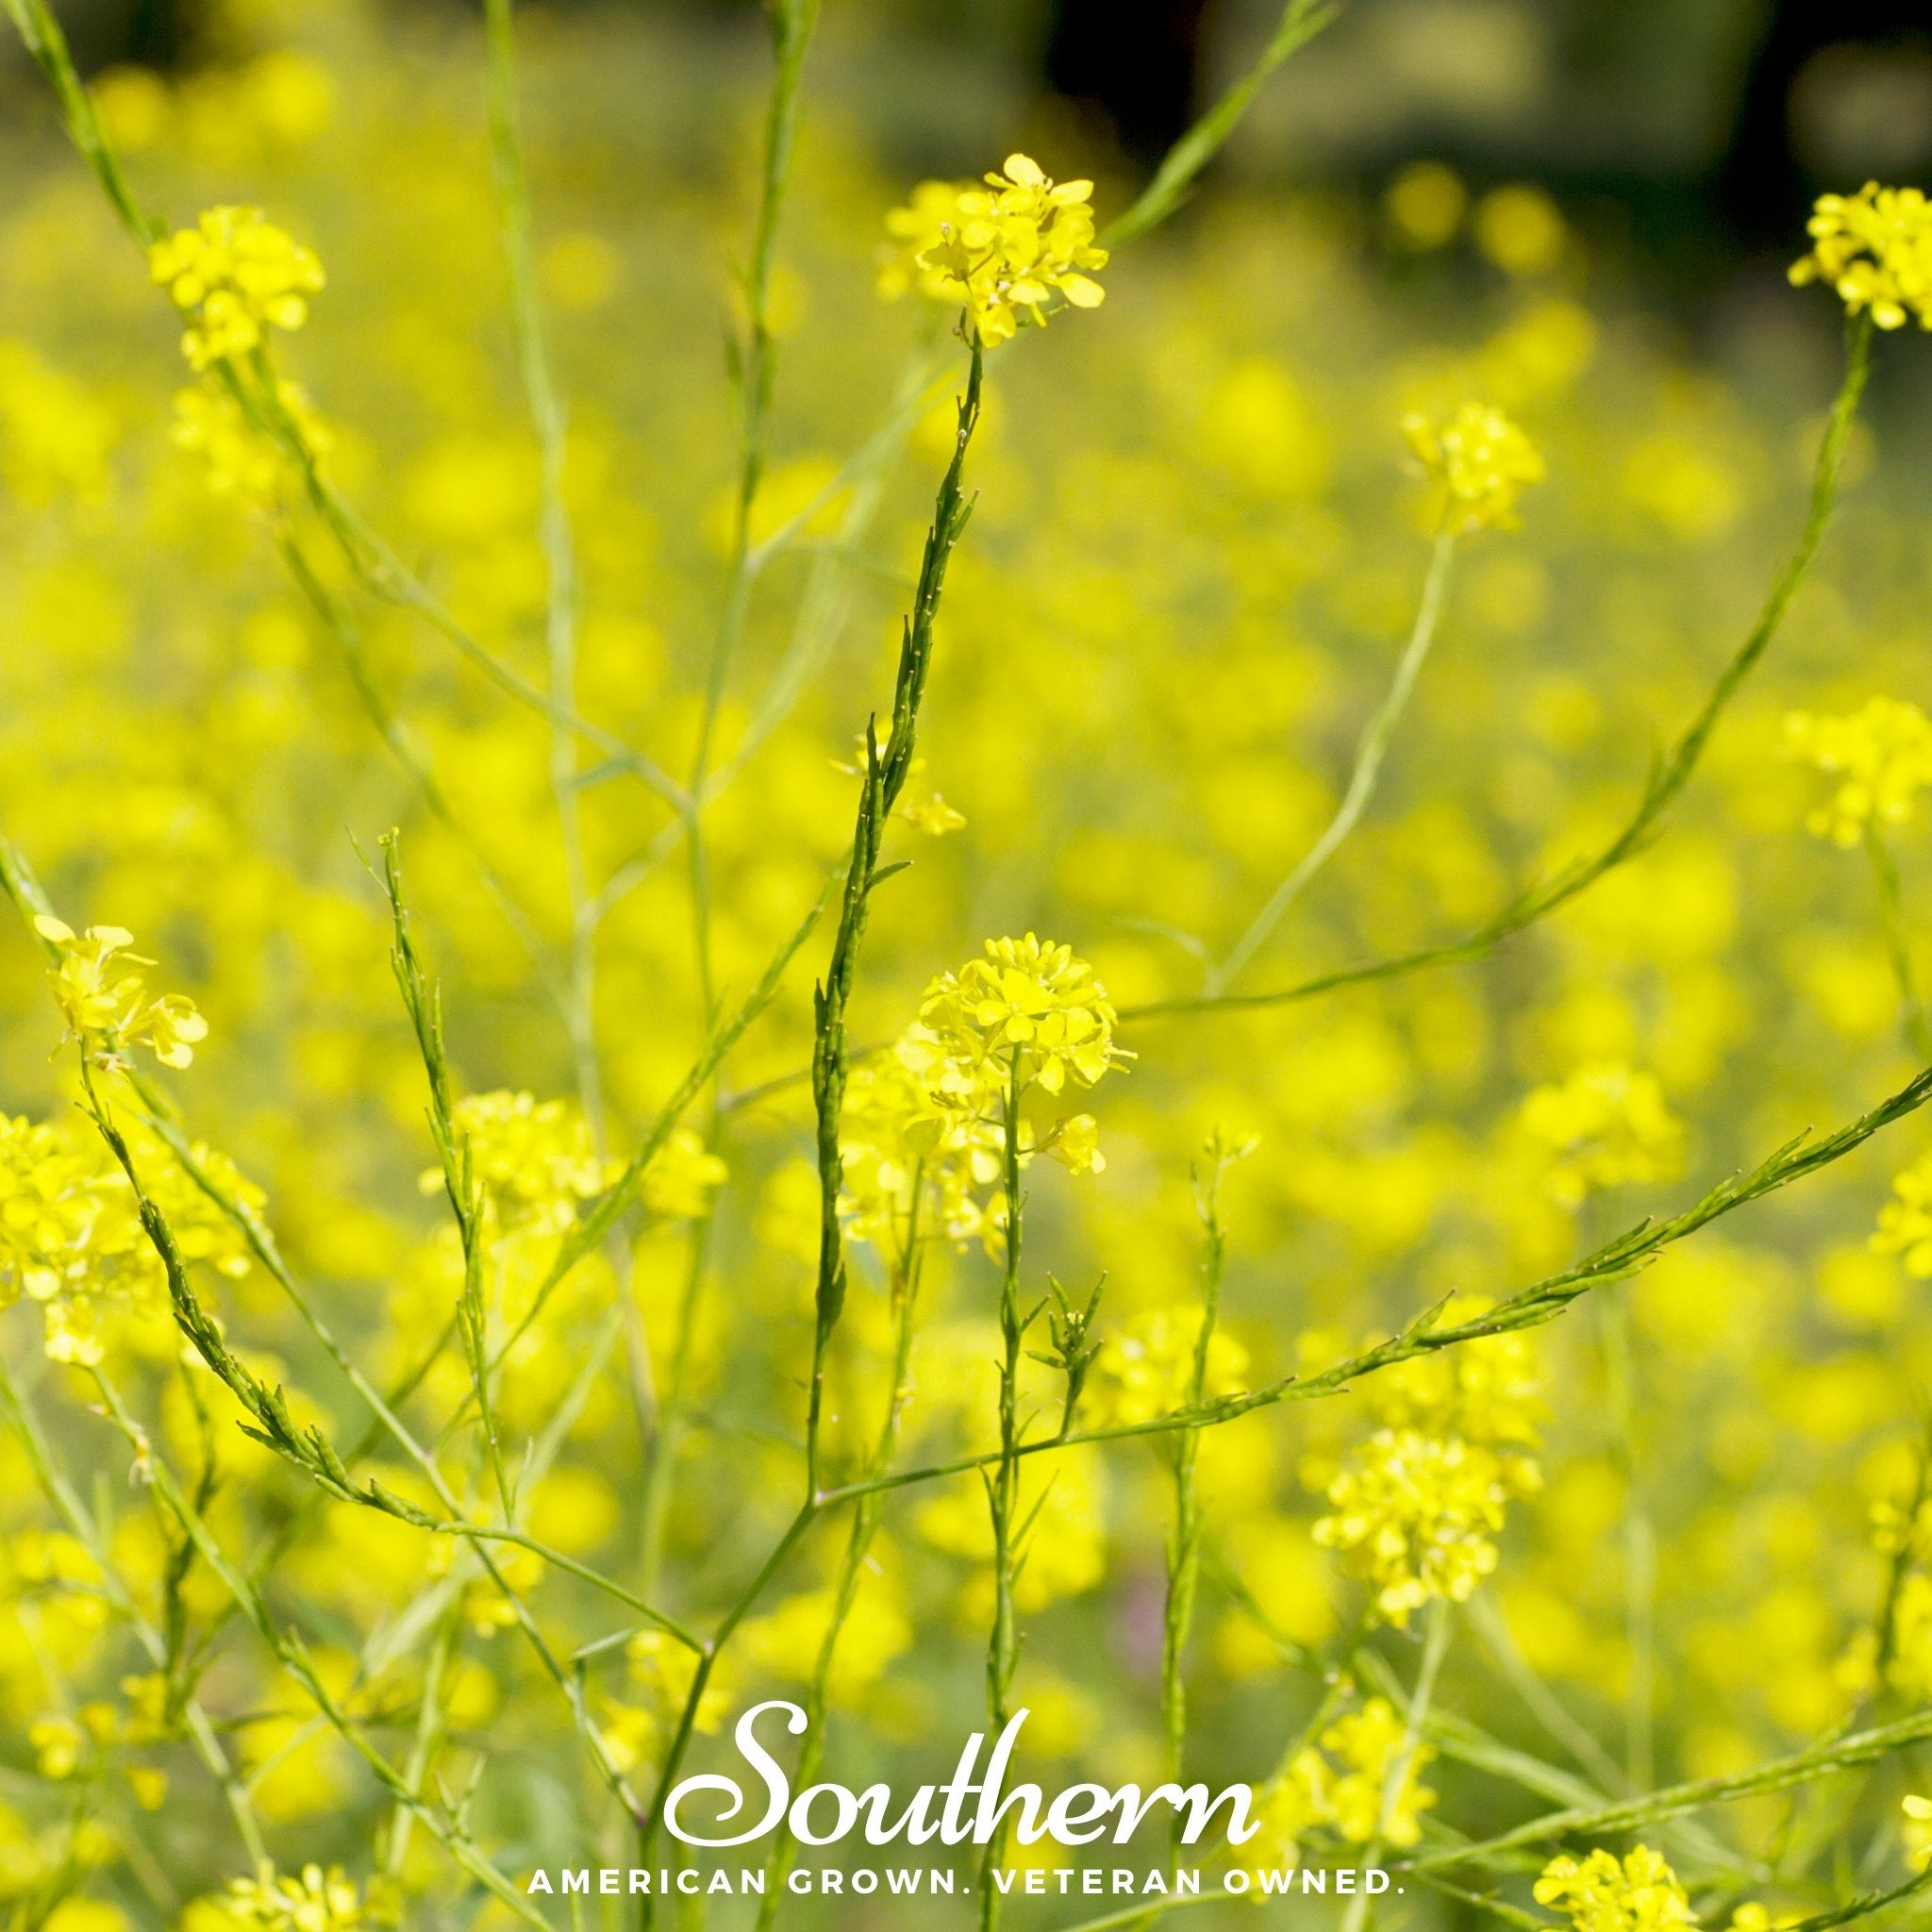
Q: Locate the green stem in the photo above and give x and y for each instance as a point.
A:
(885, 776)
(1184, 1547)
(865, 1522)
(1002, 1487)
(1370, 752)
(1361, 1907)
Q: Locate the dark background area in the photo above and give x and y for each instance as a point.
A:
(1693, 126)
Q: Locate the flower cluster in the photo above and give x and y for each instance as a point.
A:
(1608, 1126)
(535, 1163)
(106, 1004)
(1001, 251)
(1874, 249)
(317, 1900)
(1417, 1508)
(1881, 755)
(1418, 1515)
(234, 274)
(1345, 1783)
(1602, 1894)
(72, 1240)
(1477, 464)
(1031, 1012)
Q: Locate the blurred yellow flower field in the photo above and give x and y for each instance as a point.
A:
(565, 888)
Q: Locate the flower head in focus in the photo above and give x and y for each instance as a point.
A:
(1603, 1893)
(235, 276)
(1030, 1009)
(1881, 756)
(1418, 1515)
(106, 1002)
(1875, 250)
(1003, 251)
(1477, 464)
(1608, 1126)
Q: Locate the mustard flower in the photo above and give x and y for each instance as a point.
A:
(914, 231)
(1606, 1126)
(1028, 1004)
(317, 1900)
(532, 1158)
(1875, 250)
(1602, 1894)
(1418, 1515)
(1918, 1830)
(1477, 464)
(1343, 1783)
(1881, 755)
(1002, 251)
(71, 1240)
(1905, 1223)
(235, 276)
(1366, 1746)
(105, 1003)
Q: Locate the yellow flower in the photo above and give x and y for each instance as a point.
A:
(104, 1002)
(71, 1240)
(1418, 1515)
(1606, 1126)
(1477, 464)
(1343, 1784)
(1639, 1893)
(1918, 1830)
(1030, 1003)
(1881, 755)
(533, 1159)
(318, 1901)
(1875, 248)
(234, 274)
(915, 230)
(1358, 1801)
(924, 811)
(1002, 251)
